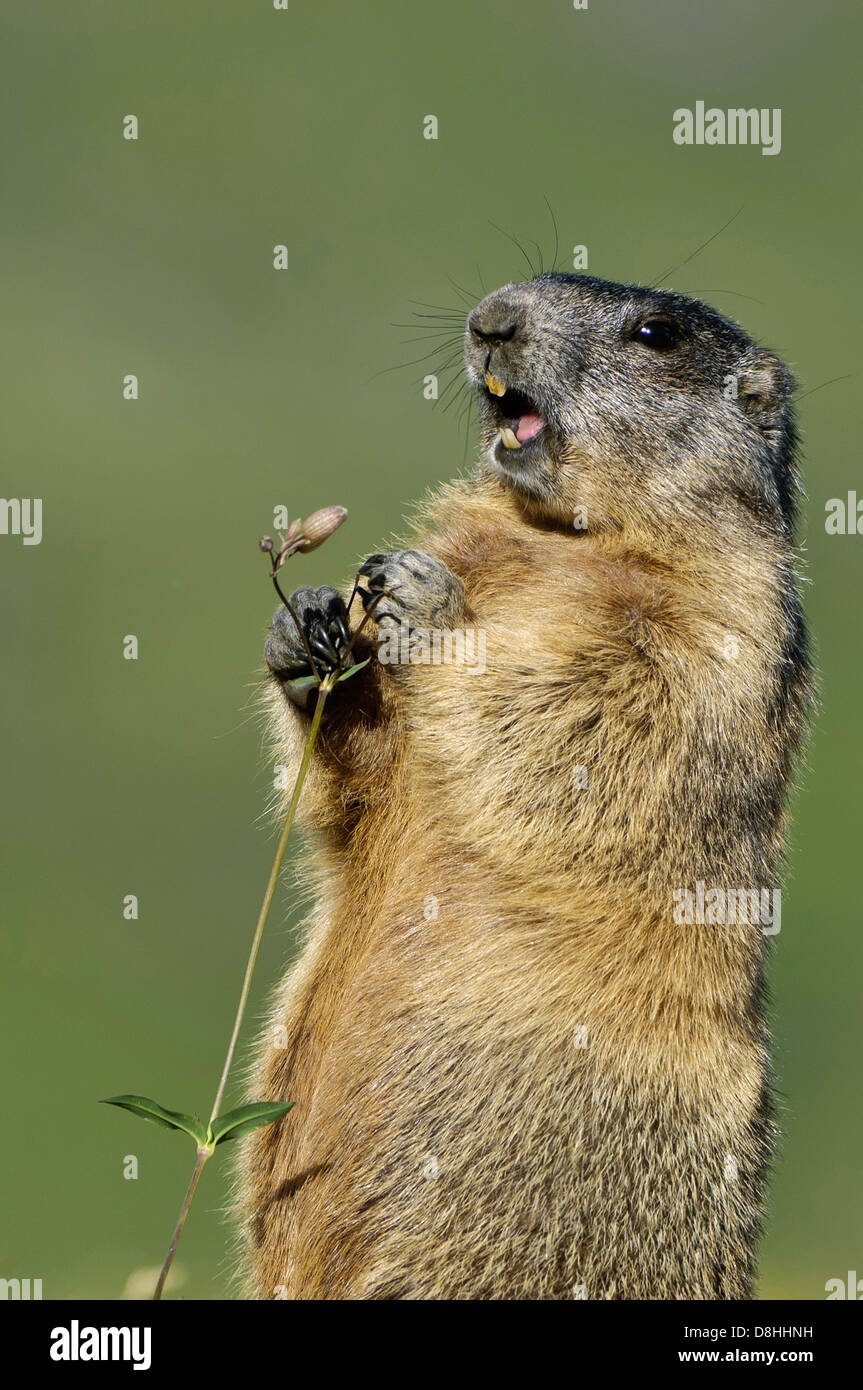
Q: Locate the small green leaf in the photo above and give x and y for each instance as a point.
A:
(352, 670)
(236, 1123)
(151, 1110)
(303, 682)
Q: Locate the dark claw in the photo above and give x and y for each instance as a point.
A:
(295, 671)
(341, 634)
(323, 617)
(423, 591)
(370, 600)
(322, 647)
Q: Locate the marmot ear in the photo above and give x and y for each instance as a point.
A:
(764, 385)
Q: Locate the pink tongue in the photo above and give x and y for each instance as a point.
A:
(527, 426)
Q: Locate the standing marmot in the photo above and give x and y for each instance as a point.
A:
(522, 1065)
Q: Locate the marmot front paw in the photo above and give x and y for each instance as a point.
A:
(413, 587)
(324, 619)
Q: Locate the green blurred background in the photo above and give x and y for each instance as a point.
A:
(261, 387)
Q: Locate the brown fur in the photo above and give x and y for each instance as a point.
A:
(449, 1138)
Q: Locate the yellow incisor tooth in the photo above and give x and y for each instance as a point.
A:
(496, 387)
(510, 438)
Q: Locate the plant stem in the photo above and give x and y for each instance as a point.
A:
(368, 614)
(300, 629)
(205, 1151)
(203, 1155)
(323, 691)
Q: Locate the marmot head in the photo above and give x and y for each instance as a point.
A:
(629, 407)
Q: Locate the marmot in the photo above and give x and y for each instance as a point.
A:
(519, 1069)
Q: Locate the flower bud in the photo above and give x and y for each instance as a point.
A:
(290, 542)
(265, 544)
(320, 526)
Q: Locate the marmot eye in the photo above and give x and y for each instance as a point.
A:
(657, 334)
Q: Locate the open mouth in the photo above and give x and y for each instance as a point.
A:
(518, 418)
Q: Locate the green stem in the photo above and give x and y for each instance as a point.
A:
(323, 691)
(204, 1152)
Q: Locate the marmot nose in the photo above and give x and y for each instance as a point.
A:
(487, 330)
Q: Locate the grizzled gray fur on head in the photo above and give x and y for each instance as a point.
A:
(647, 399)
